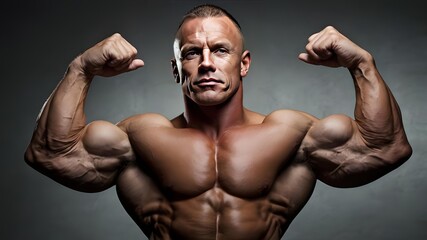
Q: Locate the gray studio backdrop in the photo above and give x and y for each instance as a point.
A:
(40, 38)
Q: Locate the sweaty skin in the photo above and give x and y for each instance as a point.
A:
(219, 170)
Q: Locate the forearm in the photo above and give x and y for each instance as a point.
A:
(347, 153)
(62, 118)
(377, 113)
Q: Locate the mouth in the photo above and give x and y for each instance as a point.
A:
(207, 82)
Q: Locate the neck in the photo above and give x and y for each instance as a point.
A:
(214, 120)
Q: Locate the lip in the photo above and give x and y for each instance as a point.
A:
(206, 82)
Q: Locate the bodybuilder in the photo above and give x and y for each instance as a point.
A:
(219, 170)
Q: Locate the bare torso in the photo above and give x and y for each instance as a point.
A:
(248, 184)
(224, 172)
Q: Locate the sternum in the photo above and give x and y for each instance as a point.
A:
(218, 194)
(216, 164)
(216, 198)
(217, 226)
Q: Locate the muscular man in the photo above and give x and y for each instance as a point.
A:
(219, 170)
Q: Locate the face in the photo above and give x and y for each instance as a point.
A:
(209, 59)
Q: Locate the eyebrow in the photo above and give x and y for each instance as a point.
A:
(225, 44)
(215, 44)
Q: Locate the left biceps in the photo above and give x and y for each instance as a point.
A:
(339, 155)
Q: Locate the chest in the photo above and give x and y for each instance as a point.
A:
(243, 162)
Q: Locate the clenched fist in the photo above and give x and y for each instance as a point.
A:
(330, 48)
(112, 56)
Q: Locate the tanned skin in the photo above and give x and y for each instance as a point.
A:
(219, 170)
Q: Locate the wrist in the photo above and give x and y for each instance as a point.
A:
(76, 67)
(364, 66)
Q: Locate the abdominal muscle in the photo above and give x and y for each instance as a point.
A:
(218, 215)
(214, 214)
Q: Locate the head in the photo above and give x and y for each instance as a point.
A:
(210, 59)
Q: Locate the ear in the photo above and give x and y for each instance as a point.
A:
(175, 71)
(245, 63)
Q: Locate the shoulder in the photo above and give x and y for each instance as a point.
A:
(288, 115)
(145, 120)
(293, 118)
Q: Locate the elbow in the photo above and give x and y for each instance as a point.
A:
(399, 153)
(35, 157)
(405, 151)
(403, 148)
(29, 157)
(32, 158)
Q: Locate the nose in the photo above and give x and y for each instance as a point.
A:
(207, 63)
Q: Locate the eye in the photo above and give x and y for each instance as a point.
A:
(191, 54)
(221, 51)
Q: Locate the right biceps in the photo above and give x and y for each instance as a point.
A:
(103, 138)
(92, 164)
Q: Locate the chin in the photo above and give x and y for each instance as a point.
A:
(209, 98)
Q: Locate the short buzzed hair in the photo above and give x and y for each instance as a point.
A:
(208, 10)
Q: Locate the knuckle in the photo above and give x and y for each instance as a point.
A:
(119, 58)
(108, 43)
(116, 35)
(134, 51)
(334, 36)
(330, 28)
